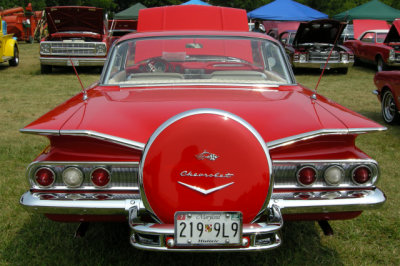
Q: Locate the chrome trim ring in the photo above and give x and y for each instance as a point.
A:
(307, 166)
(370, 170)
(101, 168)
(196, 112)
(73, 167)
(47, 168)
(341, 178)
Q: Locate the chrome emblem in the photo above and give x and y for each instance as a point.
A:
(207, 155)
(205, 191)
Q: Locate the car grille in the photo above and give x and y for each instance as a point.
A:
(323, 56)
(73, 48)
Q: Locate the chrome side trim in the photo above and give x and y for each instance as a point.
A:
(40, 131)
(317, 133)
(140, 146)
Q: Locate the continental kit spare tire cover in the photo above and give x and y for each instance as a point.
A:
(205, 160)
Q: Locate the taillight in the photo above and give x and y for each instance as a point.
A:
(44, 177)
(306, 175)
(100, 177)
(361, 174)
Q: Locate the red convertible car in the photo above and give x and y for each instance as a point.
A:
(198, 136)
(315, 42)
(388, 92)
(380, 47)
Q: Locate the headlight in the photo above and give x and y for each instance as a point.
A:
(392, 55)
(303, 57)
(45, 48)
(344, 57)
(101, 49)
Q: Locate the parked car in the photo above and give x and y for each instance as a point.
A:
(314, 42)
(199, 136)
(9, 51)
(388, 92)
(380, 47)
(76, 35)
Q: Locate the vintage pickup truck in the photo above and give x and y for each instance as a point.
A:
(77, 35)
(8, 48)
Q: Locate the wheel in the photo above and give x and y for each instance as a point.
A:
(343, 70)
(45, 69)
(380, 64)
(389, 110)
(15, 60)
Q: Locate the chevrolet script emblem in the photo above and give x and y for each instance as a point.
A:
(206, 155)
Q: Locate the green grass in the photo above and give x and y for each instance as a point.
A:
(28, 238)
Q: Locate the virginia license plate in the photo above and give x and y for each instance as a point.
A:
(208, 228)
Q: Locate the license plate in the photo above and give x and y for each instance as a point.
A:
(208, 228)
(75, 62)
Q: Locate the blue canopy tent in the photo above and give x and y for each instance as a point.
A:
(196, 2)
(285, 10)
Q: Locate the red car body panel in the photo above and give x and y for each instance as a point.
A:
(267, 112)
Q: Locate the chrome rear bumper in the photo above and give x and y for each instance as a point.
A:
(256, 236)
(288, 203)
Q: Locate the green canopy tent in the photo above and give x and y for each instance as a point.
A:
(130, 13)
(370, 10)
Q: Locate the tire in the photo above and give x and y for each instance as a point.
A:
(343, 70)
(46, 69)
(15, 61)
(389, 110)
(380, 64)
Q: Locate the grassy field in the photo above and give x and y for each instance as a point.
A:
(27, 238)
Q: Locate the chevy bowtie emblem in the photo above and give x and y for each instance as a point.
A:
(206, 155)
(205, 191)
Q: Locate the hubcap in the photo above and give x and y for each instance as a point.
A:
(389, 107)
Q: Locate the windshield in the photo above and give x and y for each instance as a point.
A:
(189, 59)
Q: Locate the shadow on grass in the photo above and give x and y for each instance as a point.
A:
(41, 241)
(60, 70)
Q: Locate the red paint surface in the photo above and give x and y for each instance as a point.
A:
(174, 152)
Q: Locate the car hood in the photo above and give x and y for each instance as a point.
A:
(319, 31)
(74, 18)
(393, 34)
(135, 114)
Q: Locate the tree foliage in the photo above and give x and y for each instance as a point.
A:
(330, 7)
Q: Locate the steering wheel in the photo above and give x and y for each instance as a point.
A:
(157, 65)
